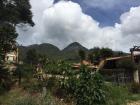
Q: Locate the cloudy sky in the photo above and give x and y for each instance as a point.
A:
(104, 23)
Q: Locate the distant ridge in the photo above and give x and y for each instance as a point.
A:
(45, 49)
(51, 51)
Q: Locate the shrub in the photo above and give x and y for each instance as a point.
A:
(86, 89)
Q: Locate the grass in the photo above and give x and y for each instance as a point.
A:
(10, 96)
(134, 97)
(18, 96)
(120, 95)
(116, 95)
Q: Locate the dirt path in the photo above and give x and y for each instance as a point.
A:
(134, 103)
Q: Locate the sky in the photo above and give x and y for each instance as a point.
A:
(103, 23)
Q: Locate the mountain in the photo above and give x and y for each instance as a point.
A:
(74, 47)
(47, 49)
(52, 52)
(71, 51)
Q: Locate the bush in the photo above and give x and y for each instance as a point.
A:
(58, 68)
(87, 89)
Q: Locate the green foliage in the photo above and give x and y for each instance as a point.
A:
(15, 11)
(86, 89)
(106, 52)
(58, 67)
(90, 57)
(101, 53)
(32, 57)
(12, 12)
(24, 75)
(24, 70)
(7, 39)
(42, 59)
(52, 68)
(82, 54)
(52, 84)
(96, 53)
(5, 80)
(134, 97)
(119, 53)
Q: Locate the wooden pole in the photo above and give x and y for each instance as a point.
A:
(135, 72)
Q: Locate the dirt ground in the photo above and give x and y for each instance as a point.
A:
(134, 103)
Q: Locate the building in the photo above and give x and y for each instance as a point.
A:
(12, 57)
(111, 72)
(108, 68)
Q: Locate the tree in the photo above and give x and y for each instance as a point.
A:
(7, 38)
(43, 60)
(15, 12)
(32, 56)
(12, 13)
(90, 57)
(82, 54)
(106, 52)
(96, 53)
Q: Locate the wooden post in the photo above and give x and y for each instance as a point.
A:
(136, 76)
(44, 91)
(17, 56)
(135, 72)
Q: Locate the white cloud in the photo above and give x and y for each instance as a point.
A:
(131, 21)
(64, 22)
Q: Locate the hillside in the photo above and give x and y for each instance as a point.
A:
(68, 53)
(47, 49)
(71, 51)
(51, 51)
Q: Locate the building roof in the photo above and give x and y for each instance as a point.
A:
(121, 57)
(118, 58)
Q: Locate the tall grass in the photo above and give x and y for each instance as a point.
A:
(117, 95)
